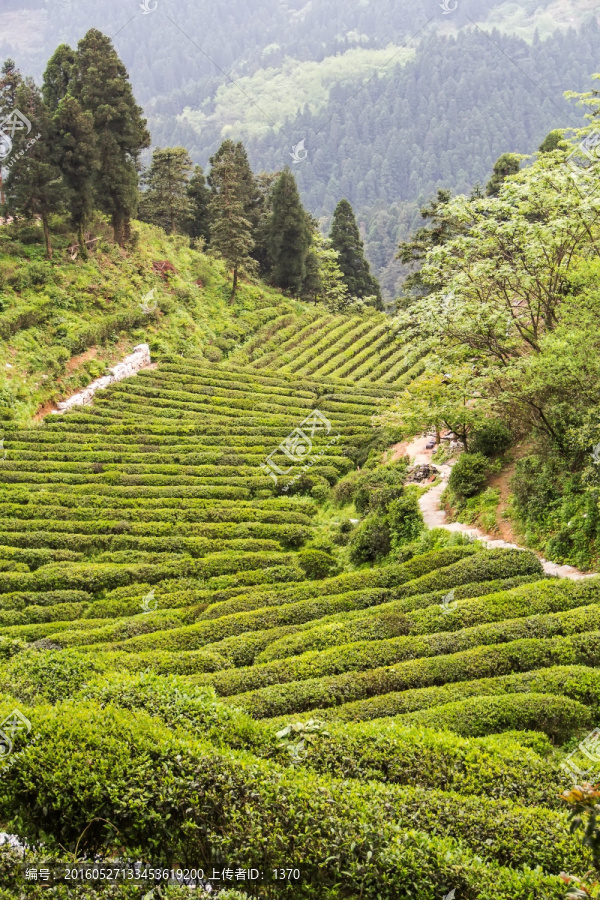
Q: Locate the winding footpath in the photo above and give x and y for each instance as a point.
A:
(435, 517)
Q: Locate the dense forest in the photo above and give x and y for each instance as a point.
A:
(384, 142)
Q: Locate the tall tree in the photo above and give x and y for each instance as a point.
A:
(10, 79)
(166, 202)
(265, 182)
(346, 240)
(249, 189)
(231, 230)
(508, 164)
(58, 76)
(34, 185)
(77, 157)
(289, 235)
(440, 228)
(101, 85)
(198, 223)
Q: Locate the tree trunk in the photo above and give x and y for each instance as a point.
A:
(118, 230)
(127, 229)
(81, 238)
(47, 237)
(234, 287)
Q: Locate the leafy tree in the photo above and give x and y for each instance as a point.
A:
(77, 158)
(34, 184)
(101, 85)
(508, 164)
(166, 202)
(289, 235)
(198, 223)
(440, 228)
(324, 282)
(231, 230)
(58, 76)
(345, 239)
(552, 141)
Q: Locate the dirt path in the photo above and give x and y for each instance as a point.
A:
(435, 517)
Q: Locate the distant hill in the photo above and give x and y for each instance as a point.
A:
(383, 93)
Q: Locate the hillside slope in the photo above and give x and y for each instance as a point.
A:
(175, 538)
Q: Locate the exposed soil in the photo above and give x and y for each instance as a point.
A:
(76, 361)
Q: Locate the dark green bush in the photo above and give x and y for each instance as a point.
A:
(405, 520)
(376, 489)
(370, 541)
(316, 564)
(491, 439)
(468, 475)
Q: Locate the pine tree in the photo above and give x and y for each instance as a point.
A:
(507, 164)
(265, 182)
(10, 79)
(346, 240)
(58, 76)
(77, 158)
(198, 223)
(34, 186)
(247, 182)
(101, 85)
(166, 202)
(231, 230)
(289, 235)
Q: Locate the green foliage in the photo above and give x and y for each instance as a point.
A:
(491, 439)
(289, 235)
(346, 241)
(166, 201)
(468, 475)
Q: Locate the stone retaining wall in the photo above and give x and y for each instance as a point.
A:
(139, 359)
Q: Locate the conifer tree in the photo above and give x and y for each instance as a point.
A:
(198, 223)
(34, 185)
(507, 164)
(231, 230)
(248, 185)
(265, 182)
(10, 79)
(58, 76)
(77, 158)
(101, 85)
(166, 202)
(289, 235)
(346, 240)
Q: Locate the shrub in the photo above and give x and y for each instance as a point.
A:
(376, 489)
(370, 541)
(468, 475)
(491, 439)
(405, 520)
(109, 757)
(333, 690)
(556, 716)
(316, 564)
(47, 675)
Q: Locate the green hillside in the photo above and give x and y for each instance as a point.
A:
(169, 605)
